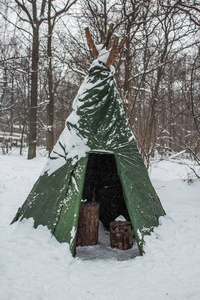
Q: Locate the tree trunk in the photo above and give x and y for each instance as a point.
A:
(50, 106)
(34, 94)
(5, 83)
(12, 110)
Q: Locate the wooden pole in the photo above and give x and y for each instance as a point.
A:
(91, 43)
(108, 36)
(113, 51)
(123, 41)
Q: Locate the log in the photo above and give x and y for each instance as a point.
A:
(88, 224)
(121, 235)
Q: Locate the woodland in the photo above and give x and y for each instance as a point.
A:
(44, 58)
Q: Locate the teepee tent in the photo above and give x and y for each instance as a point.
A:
(97, 127)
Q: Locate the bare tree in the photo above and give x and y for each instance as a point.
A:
(157, 73)
(52, 18)
(34, 13)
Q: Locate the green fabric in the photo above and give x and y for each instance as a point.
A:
(102, 119)
(54, 201)
(46, 198)
(68, 219)
(97, 123)
(143, 205)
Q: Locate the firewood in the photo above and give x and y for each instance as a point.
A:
(88, 224)
(121, 235)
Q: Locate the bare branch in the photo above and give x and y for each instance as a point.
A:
(24, 8)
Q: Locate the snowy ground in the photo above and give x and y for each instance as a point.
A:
(33, 265)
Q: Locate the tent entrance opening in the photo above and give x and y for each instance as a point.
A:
(102, 185)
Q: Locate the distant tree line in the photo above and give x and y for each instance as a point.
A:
(44, 57)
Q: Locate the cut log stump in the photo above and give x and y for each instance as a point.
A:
(121, 235)
(88, 224)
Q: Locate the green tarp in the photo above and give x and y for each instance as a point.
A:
(97, 124)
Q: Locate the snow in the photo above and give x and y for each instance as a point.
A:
(103, 55)
(103, 249)
(73, 234)
(35, 266)
(120, 218)
(74, 145)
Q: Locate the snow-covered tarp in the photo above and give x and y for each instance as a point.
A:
(96, 124)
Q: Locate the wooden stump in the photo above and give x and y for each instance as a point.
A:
(121, 235)
(88, 224)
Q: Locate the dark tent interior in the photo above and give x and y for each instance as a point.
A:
(102, 185)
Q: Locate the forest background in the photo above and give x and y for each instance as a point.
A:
(44, 57)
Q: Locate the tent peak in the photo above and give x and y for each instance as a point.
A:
(107, 57)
